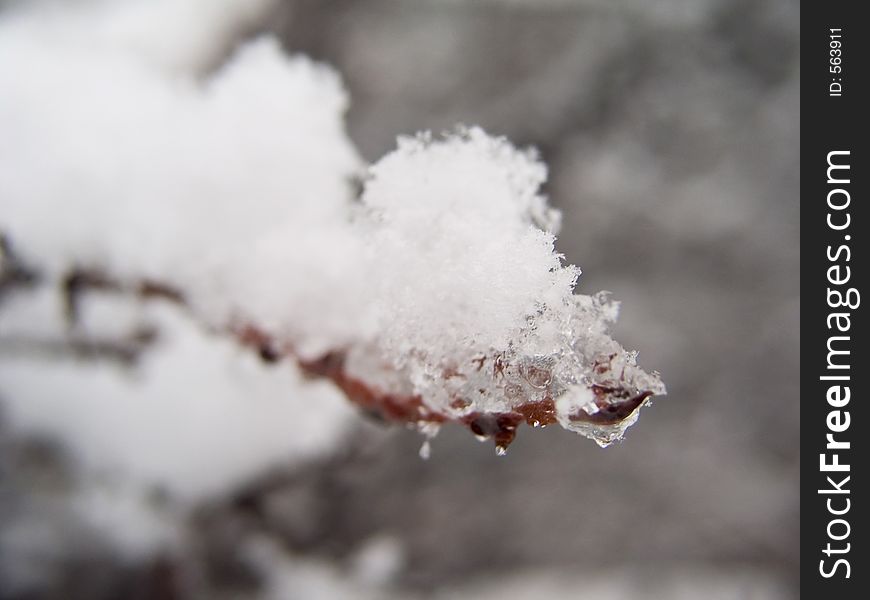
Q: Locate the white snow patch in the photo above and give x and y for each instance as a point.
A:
(196, 417)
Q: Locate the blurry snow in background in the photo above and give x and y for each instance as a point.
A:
(670, 129)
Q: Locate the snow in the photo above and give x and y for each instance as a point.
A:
(220, 184)
(195, 417)
(466, 271)
(124, 155)
(459, 259)
(175, 36)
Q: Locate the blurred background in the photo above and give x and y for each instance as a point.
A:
(671, 131)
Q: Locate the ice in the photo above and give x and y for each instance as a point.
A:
(426, 450)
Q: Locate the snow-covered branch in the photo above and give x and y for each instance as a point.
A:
(425, 286)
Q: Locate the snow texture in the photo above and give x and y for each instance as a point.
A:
(474, 308)
(122, 155)
(195, 416)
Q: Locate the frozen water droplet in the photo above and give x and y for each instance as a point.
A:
(537, 372)
(481, 438)
(426, 450)
(536, 423)
(500, 450)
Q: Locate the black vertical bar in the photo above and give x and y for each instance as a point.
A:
(834, 223)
